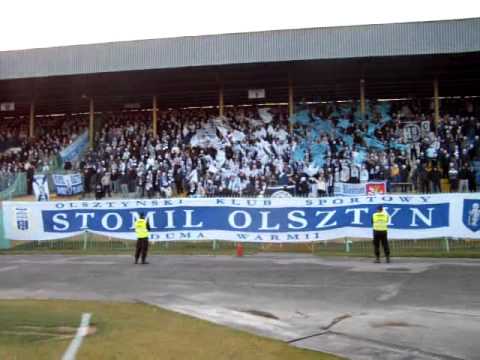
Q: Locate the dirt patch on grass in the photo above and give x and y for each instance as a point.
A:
(57, 332)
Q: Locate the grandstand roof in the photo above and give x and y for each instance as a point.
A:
(415, 38)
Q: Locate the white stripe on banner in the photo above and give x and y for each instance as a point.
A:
(82, 331)
(269, 220)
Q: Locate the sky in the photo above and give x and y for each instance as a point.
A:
(29, 24)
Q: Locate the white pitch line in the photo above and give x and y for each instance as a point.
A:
(8, 268)
(389, 292)
(77, 341)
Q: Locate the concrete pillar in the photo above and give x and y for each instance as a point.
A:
(220, 100)
(362, 98)
(436, 100)
(154, 116)
(31, 131)
(291, 105)
(91, 123)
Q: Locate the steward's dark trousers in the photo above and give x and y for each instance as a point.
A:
(142, 249)
(380, 237)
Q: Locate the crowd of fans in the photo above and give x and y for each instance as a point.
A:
(250, 151)
(19, 153)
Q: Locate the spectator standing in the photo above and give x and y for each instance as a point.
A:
(115, 181)
(30, 174)
(364, 176)
(302, 187)
(354, 174)
(149, 188)
(124, 179)
(322, 186)
(453, 178)
(463, 179)
(436, 176)
(106, 184)
(423, 179)
(472, 181)
(98, 191)
(140, 191)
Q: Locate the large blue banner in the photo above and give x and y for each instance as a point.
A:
(254, 220)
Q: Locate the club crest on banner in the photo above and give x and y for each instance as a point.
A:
(22, 218)
(471, 214)
(281, 194)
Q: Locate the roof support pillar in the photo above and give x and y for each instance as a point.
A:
(31, 129)
(436, 101)
(154, 115)
(291, 105)
(362, 98)
(290, 97)
(220, 100)
(91, 123)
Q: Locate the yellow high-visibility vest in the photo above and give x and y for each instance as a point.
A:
(141, 229)
(380, 221)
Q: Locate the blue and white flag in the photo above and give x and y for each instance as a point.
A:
(40, 187)
(69, 184)
(73, 151)
(374, 143)
(347, 189)
(301, 117)
(343, 123)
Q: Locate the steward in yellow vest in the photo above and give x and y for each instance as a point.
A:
(142, 229)
(380, 222)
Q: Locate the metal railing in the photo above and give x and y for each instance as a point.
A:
(89, 243)
(6, 180)
(15, 189)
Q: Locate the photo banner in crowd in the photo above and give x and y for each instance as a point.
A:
(68, 184)
(75, 149)
(367, 188)
(412, 132)
(280, 191)
(40, 187)
(248, 220)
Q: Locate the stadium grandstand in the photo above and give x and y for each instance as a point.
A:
(246, 114)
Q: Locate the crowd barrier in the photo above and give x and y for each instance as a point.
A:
(88, 243)
(16, 189)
